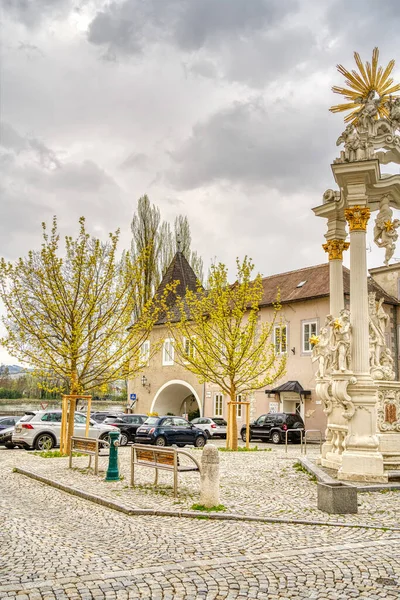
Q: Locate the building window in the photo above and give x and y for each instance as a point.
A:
(309, 328)
(239, 406)
(189, 347)
(280, 339)
(168, 352)
(145, 353)
(218, 405)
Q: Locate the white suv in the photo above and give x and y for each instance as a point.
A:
(42, 430)
(215, 427)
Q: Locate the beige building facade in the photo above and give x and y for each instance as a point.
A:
(165, 387)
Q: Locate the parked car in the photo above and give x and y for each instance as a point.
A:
(213, 427)
(6, 437)
(273, 427)
(42, 430)
(127, 424)
(165, 431)
(6, 422)
(100, 416)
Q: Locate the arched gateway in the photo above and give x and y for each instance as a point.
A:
(177, 397)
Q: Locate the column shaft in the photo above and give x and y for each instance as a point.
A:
(359, 301)
(336, 287)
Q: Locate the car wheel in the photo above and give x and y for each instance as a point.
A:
(276, 437)
(160, 441)
(243, 436)
(123, 439)
(9, 445)
(44, 441)
(200, 442)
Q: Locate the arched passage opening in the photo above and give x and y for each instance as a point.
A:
(178, 398)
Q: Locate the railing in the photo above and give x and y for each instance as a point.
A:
(303, 438)
(291, 431)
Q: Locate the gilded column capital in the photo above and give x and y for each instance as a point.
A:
(357, 217)
(335, 248)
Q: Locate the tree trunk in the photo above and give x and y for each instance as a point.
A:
(234, 439)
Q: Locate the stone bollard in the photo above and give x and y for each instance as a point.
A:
(209, 477)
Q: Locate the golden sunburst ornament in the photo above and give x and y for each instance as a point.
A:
(369, 78)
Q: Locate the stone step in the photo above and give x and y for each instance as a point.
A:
(394, 475)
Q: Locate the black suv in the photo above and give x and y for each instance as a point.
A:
(273, 427)
(127, 424)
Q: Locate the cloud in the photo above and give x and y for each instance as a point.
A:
(36, 184)
(31, 13)
(252, 143)
(130, 26)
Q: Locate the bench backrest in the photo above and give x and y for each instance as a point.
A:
(155, 456)
(84, 444)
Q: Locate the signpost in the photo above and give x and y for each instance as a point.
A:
(133, 399)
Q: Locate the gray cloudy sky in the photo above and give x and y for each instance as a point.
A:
(217, 109)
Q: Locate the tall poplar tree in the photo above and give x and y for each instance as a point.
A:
(161, 242)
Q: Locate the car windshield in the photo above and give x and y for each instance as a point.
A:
(220, 422)
(151, 421)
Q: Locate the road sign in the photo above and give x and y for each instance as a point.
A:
(132, 396)
(44, 405)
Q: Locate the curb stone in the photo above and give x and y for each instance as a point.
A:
(325, 478)
(190, 514)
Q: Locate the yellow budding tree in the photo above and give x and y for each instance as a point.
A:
(68, 313)
(219, 336)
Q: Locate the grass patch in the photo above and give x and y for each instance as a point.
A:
(218, 508)
(55, 454)
(300, 469)
(244, 449)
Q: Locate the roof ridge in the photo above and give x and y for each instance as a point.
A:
(296, 271)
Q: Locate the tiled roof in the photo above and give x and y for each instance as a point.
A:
(178, 271)
(308, 283)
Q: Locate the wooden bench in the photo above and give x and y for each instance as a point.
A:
(161, 458)
(89, 446)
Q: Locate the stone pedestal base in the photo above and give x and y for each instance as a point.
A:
(362, 466)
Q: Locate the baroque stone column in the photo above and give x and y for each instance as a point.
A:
(361, 459)
(335, 248)
(358, 217)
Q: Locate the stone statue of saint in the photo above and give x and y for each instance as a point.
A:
(385, 229)
(367, 115)
(393, 106)
(341, 333)
(322, 352)
(380, 357)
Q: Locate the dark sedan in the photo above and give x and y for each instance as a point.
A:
(128, 425)
(165, 431)
(6, 422)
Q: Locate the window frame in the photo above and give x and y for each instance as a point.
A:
(218, 396)
(280, 327)
(239, 411)
(168, 361)
(304, 324)
(189, 351)
(145, 355)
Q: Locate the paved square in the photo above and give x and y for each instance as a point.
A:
(54, 545)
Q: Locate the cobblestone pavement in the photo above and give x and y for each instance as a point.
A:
(57, 546)
(261, 483)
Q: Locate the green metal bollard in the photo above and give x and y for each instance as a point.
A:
(112, 471)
